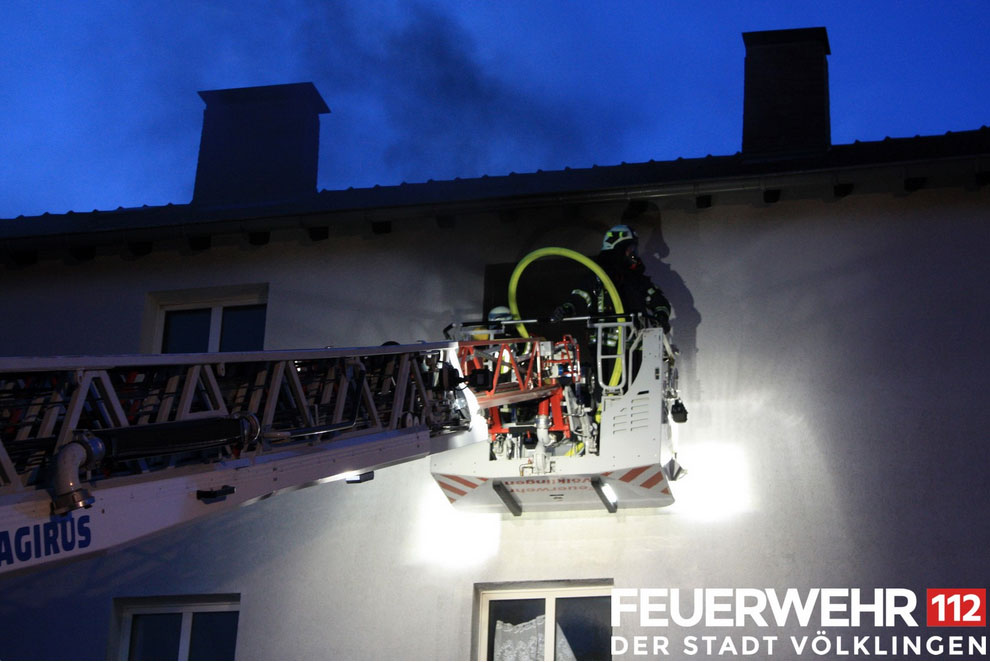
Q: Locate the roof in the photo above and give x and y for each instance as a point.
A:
(695, 179)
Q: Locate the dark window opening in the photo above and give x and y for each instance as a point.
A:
(587, 625)
(514, 613)
(186, 331)
(543, 285)
(239, 328)
(155, 637)
(243, 328)
(213, 635)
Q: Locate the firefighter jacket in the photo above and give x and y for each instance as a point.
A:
(636, 290)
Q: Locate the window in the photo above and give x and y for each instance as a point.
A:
(545, 621)
(214, 329)
(177, 628)
(220, 319)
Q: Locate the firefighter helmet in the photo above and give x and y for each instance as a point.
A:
(496, 318)
(616, 235)
(499, 313)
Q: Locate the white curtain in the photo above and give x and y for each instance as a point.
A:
(525, 641)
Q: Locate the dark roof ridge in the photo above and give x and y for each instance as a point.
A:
(569, 179)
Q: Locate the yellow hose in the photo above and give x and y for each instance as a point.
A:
(590, 264)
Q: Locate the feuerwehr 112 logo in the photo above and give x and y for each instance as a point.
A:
(827, 614)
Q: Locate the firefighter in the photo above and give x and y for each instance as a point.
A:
(621, 263)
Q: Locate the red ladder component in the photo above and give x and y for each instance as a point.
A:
(513, 370)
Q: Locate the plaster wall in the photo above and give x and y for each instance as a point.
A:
(834, 366)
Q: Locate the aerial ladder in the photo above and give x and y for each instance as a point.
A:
(99, 451)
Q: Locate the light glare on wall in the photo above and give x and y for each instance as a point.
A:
(445, 537)
(718, 485)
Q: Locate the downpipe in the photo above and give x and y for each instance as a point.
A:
(69, 493)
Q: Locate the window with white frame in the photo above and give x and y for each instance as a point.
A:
(545, 621)
(177, 627)
(219, 319)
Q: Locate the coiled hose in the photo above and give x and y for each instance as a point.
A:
(587, 262)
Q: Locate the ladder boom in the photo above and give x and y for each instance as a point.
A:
(113, 435)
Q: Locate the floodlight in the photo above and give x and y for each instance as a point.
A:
(606, 494)
(359, 478)
(505, 495)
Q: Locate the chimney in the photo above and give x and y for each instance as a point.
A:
(259, 144)
(786, 109)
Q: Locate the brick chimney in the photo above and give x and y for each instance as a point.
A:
(786, 106)
(259, 144)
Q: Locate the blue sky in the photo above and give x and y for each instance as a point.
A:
(100, 107)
